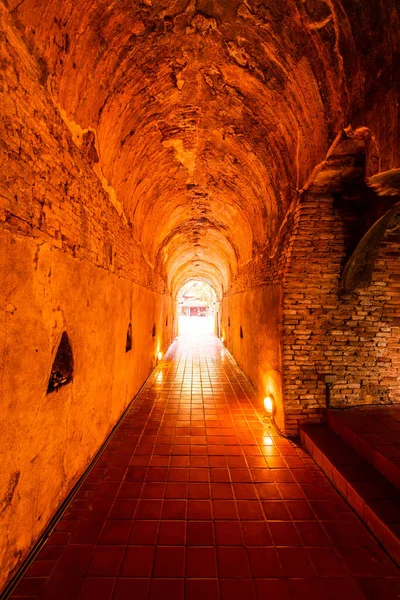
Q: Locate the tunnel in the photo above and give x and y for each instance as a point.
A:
(251, 148)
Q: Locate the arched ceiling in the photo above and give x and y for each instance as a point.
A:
(208, 114)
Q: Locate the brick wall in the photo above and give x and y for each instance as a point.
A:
(311, 283)
(353, 336)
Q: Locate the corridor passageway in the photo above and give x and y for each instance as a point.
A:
(228, 167)
(196, 496)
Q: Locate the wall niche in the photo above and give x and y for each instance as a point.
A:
(128, 343)
(63, 365)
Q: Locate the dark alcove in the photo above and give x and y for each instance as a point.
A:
(128, 344)
(63, 365)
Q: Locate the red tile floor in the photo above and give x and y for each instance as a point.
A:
(196, 497)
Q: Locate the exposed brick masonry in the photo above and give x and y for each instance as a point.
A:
(354, 336)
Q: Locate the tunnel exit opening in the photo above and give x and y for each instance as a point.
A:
(197, 309)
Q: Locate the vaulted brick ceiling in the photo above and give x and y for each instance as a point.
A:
(208, 114)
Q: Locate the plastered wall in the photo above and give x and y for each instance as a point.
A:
(256, 314)
(68, 262)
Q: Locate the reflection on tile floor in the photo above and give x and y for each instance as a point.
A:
(195, 497)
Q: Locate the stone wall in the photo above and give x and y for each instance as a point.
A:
(69, 262)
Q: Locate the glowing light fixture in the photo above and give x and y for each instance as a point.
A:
(222, 339)
(159, 355)
(269, 404)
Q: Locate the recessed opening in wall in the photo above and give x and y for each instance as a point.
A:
(241, 332)
(109, 253)
(229, 321)
(63, 365)
(128, 344)
(153, 331)
(196, 308)
(166, 322)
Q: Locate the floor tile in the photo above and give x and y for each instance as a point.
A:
(233, 563)
(138, 561)
(106, 560)
(200, 533)
(264, 562)
(169, 561)
(172, 533)
(228, 533)
(234, 589)
(167, 589)
(100, 588)
(202, 589)
(201, 562)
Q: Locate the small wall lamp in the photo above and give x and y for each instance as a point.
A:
(222, 339)
(269, 404)
(159, 355)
